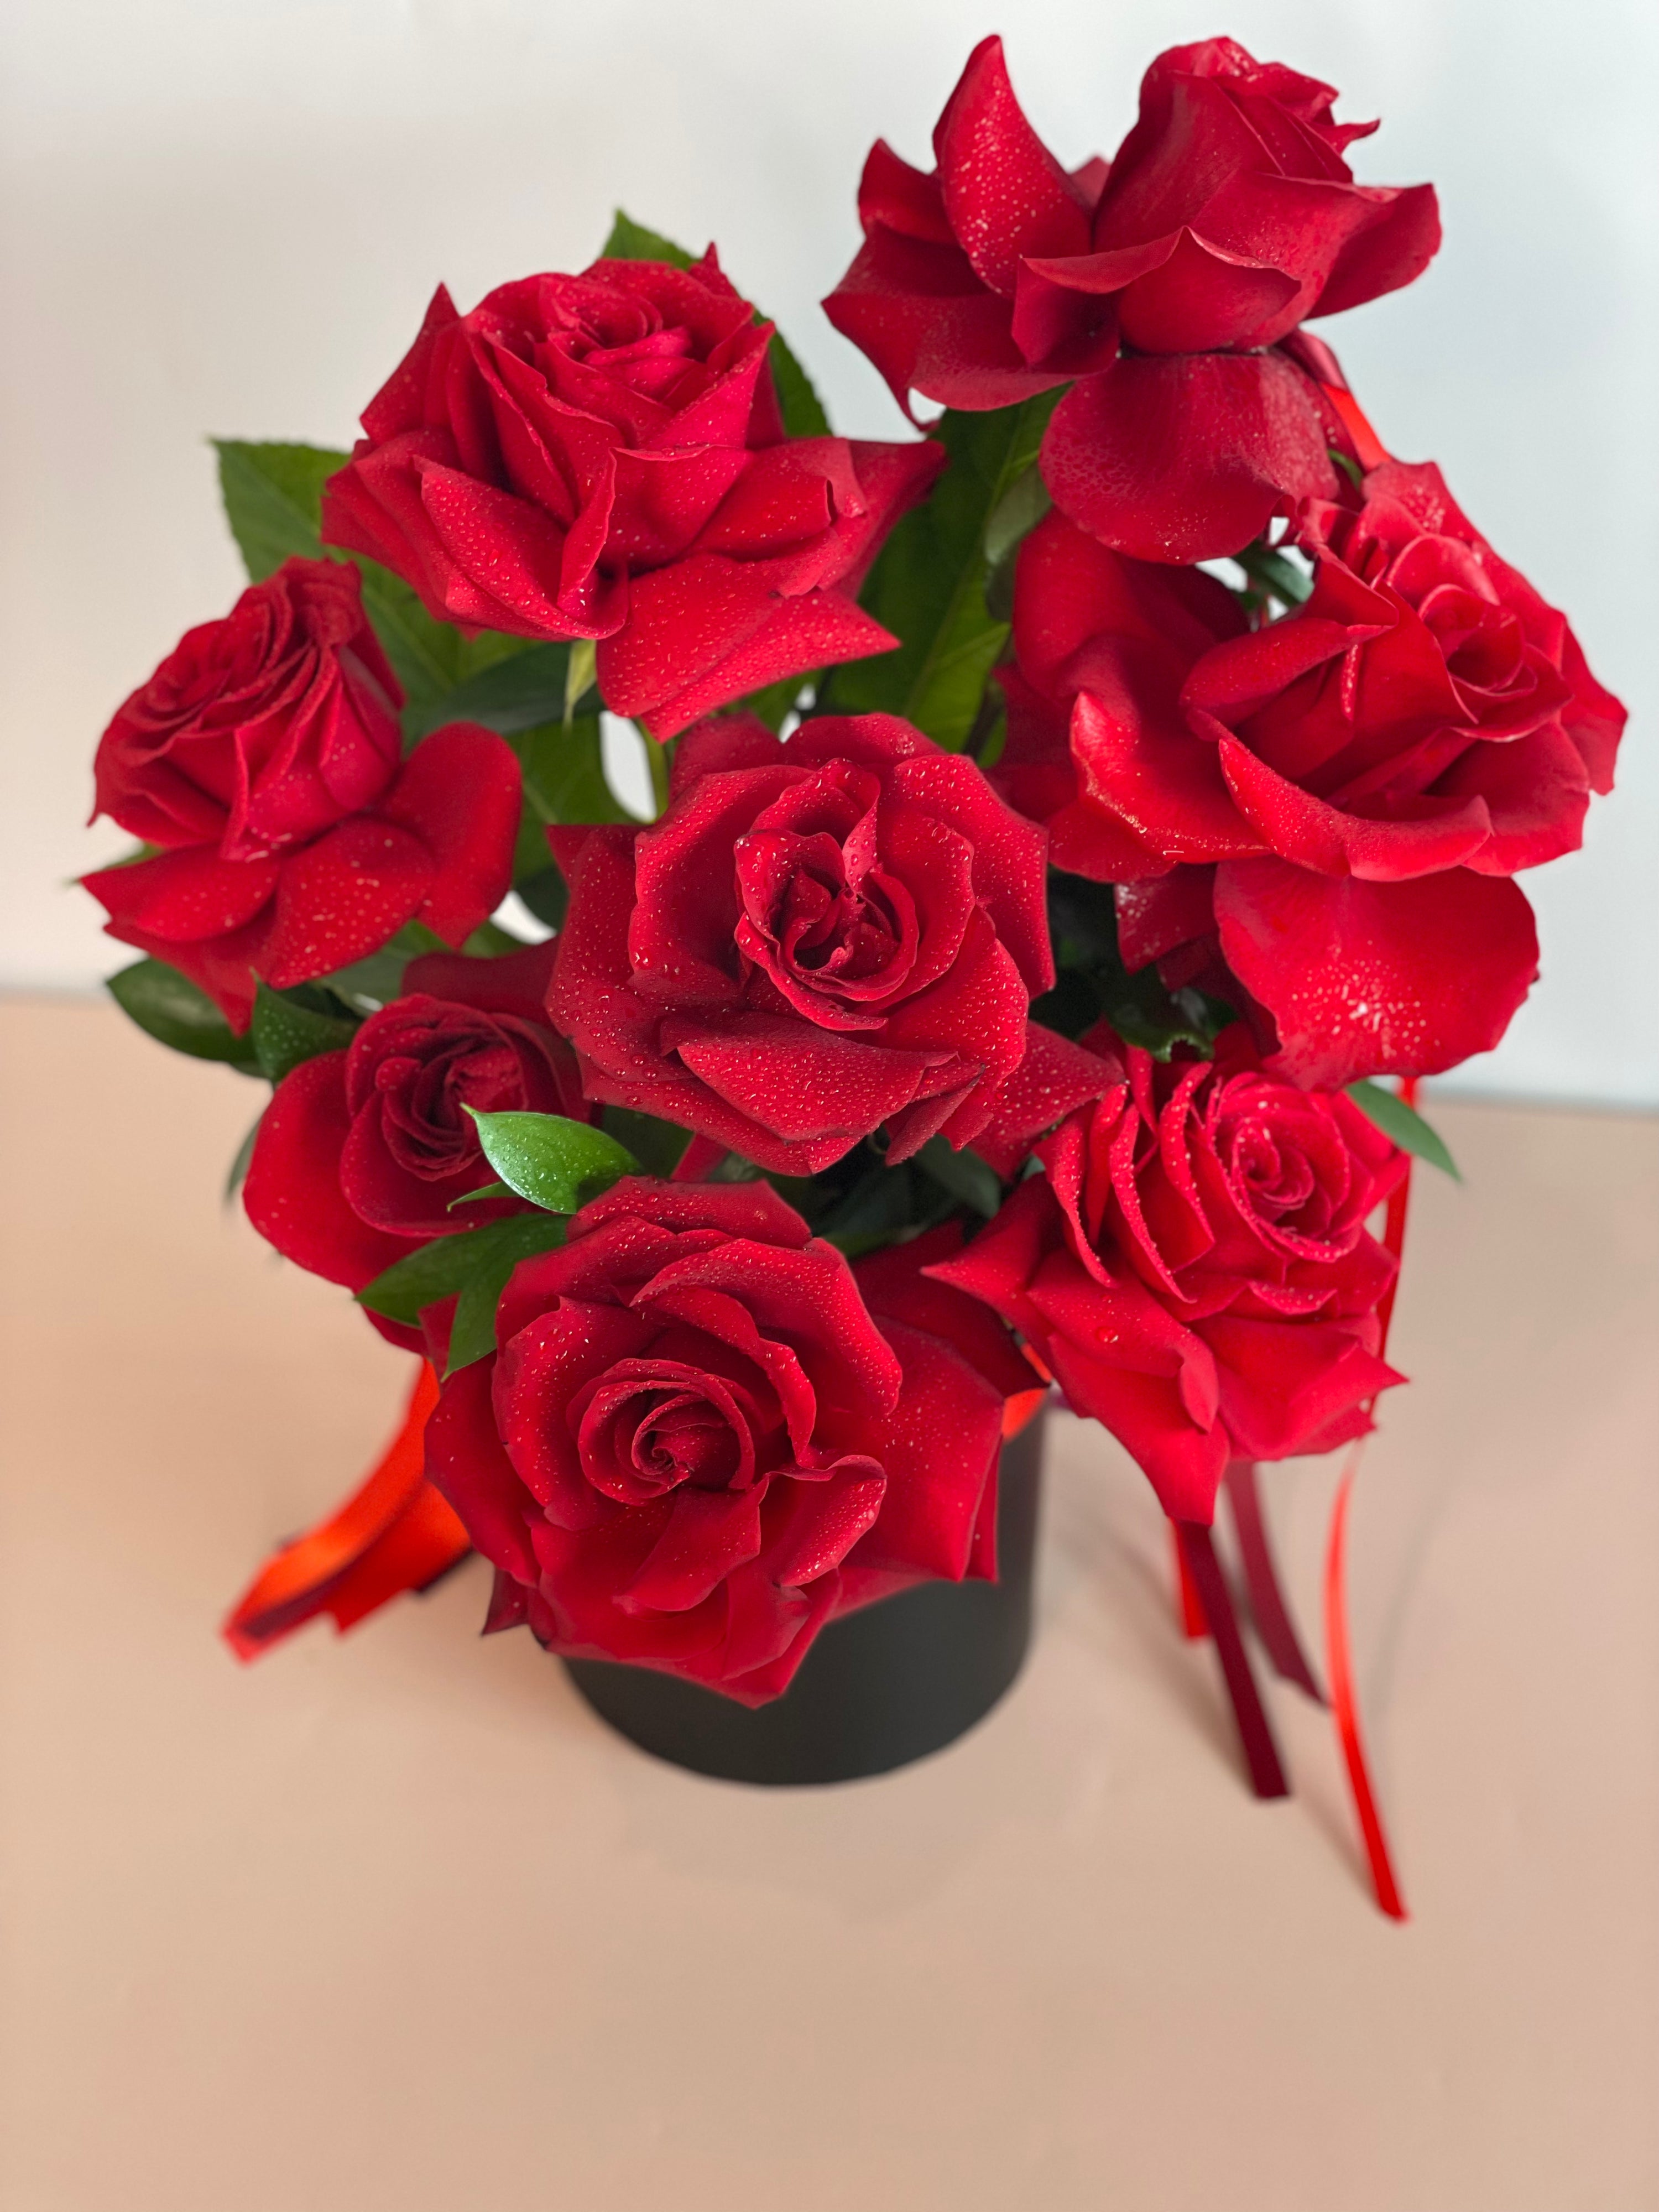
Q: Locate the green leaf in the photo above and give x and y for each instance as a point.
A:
(632, 241)
(800, 405)
(965, 1174)
(273, 501)
(776, 701)
(377, 980)
(928, 584)
(564, 774)
(169, 1008)
(447, 1264)
(291, 1027)
(512, 696)
(484, 1190)
(581, 673)
(1404, 1125)
(1265, 565)
(657, 1146)
(556, 1164)
(543, 888)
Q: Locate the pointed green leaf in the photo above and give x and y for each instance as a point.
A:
(447, 1264)
(1404, 1126)
(289, 1029)
(632, 241)
(657, 1146)
(928, 584)
(555, 1163)
(1265, 565)
(169, 1008)
(512, 695)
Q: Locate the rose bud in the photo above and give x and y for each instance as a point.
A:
(603, 457)
(265, 755)
(362, 1153)
(817, 939)
(697, 1442)
(1195, 1270)
(1366, 771)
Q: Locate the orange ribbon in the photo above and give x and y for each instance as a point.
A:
(395, 1533)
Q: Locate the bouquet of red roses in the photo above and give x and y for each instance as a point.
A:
(1064, 814)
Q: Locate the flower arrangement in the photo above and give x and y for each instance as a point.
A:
(1065, 813)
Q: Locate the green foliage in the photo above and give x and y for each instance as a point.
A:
(1093, 984)
(970, 1180)
(293, 1026)
(657, 1146)
(511, 696)
(1404, 1126)
(802, 409)
(928, 584)
(446, 1265)
(169, 1008)
(1275, 574)
(632, 241)
(556, 1164)
(378, 979)
(563, 766)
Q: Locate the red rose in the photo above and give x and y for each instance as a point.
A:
(695, 1443)
(1230, 217)
(1166, 284)
(259, 732)
(1195, 1270)
(264, 753)
(1090, 624)
(817, 938)
(1363, 771)
(362, 1153)
(602, 457)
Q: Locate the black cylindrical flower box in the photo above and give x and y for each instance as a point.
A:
(879, 1688)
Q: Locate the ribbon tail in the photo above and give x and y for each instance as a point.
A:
(1344, 1705)
(1267, 1606)
(1256, 1734)
(395, 1533)
(1189, 1611)
(1338, 1655)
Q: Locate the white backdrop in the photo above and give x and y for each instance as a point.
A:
(225, 216)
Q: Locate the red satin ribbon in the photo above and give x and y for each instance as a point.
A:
(1256, 1734)
(395, 1533)
(1268, 1608)
(1339, 1658)
(1189, 1611)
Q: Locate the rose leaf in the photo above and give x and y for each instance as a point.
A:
(1404, 1125)
(556, 1164)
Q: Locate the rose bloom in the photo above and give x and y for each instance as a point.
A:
(698, 1441)
(1169, 284)
(362, 1153)
(818, 937)
(603, 457)
(1195, 1271)
(265, 755)
(1367, 773)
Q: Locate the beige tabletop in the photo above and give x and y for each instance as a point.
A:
(392, 1923)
